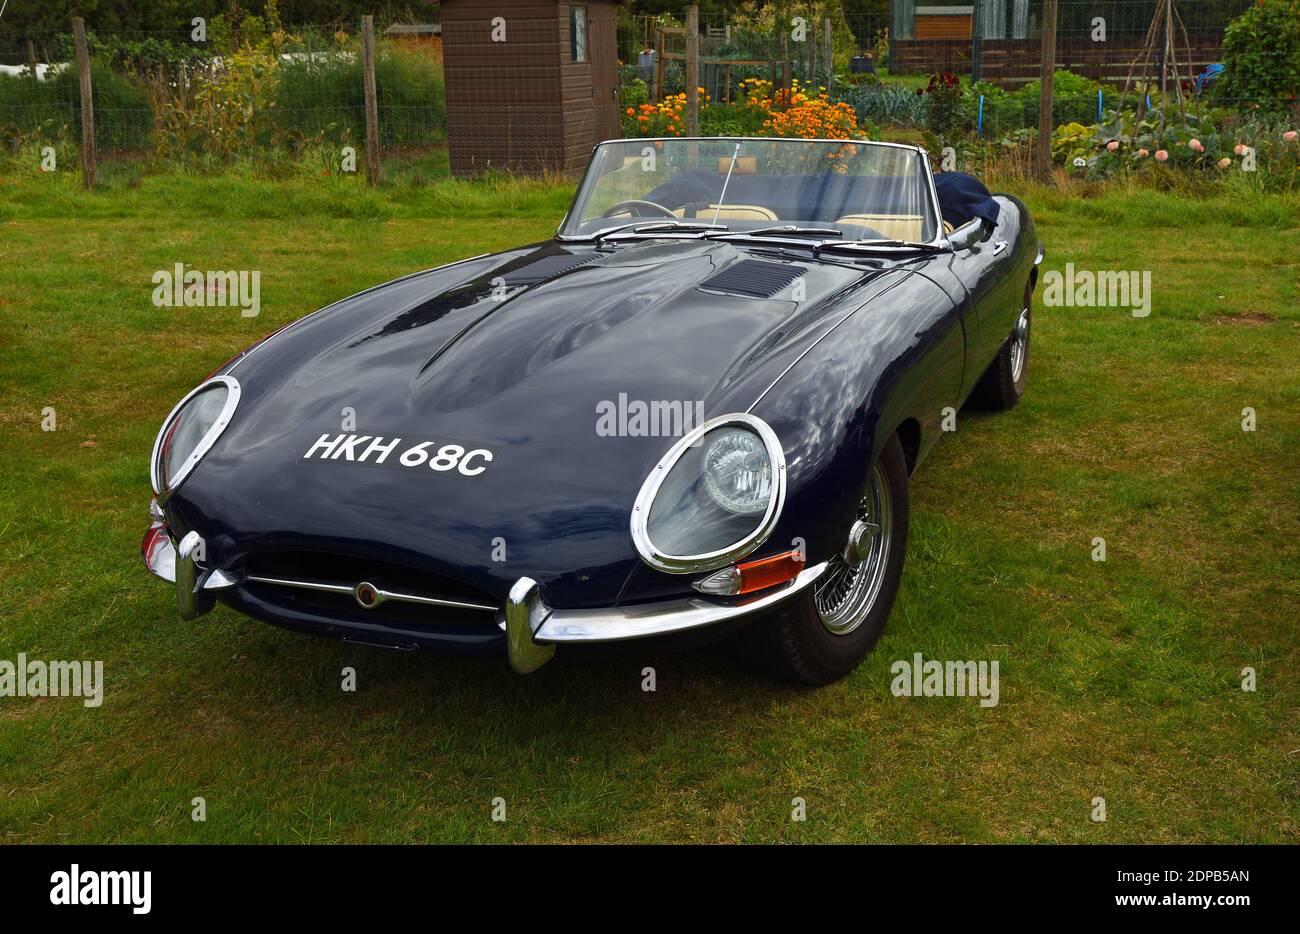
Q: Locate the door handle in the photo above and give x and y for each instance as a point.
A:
(999, 246)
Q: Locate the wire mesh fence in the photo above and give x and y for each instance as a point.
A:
(160, 92)
(882, 63)
(535, 97)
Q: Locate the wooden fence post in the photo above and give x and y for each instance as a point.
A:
(829, 52)
(812, 55)
(372, 103)
(692, 70)
(1045, 96)
(31, 57)
(785, 64)
(87, 103)
(657, 91)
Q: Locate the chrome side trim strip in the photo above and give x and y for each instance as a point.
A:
(382, 594)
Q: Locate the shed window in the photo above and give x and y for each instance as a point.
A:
(578, 33)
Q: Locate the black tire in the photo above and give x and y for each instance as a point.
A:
(795, 645)
(1001, 386)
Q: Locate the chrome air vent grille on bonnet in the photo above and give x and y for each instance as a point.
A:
(753, 278)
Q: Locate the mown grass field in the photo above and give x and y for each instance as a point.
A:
(1119, 679)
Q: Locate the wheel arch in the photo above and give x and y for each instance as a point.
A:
(909, 437)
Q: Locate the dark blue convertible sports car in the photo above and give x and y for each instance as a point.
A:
(696, 409)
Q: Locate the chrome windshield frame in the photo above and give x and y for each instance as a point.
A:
(922, 155)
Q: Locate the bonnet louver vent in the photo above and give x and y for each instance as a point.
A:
(753, 278)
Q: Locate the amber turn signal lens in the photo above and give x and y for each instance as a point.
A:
(768, 572)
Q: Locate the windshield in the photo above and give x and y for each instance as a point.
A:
(805, 188)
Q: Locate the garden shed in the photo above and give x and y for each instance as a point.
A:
(532, 85)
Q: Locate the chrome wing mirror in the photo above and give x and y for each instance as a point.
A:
(967, 236)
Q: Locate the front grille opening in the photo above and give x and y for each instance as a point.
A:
(343, 607)
(345, 569)
(330, 568)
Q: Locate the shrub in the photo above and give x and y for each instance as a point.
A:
(804, 111)
(892, 104)
(319, 95)
(1261, 54)
(230, 111)
(1074, 100)
(1183, 155)
(146, 58)
(49, 109)
(942, 98)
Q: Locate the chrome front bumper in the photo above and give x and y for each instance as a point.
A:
(533, 628)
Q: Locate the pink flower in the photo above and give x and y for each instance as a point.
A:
(1290, 136)
(1239, 149)
(1161, 155)
(1113, 145)
(1225, 162)
(1142, 153)
(1195, 145)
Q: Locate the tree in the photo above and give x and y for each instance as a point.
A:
(866, 18)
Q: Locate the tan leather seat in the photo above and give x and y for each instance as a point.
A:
(894, 226)
(745, 165)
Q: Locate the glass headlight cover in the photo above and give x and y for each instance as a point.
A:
(190, 430)
(737, 470)
(713, 498)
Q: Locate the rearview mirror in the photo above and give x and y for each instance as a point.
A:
(967, 235)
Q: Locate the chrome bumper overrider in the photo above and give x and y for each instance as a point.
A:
(533, 629)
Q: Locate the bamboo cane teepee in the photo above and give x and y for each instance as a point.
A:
(1160, 54)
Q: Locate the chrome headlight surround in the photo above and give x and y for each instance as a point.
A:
(157, 478)
(711, 560)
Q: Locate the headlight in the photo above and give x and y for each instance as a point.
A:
(738, 471)
(713, 498)
(190, 430)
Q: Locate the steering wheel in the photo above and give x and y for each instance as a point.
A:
(632, 204)
(863, 233)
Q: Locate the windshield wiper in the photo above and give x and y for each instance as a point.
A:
(654, 226)
(891, 244)
(786, 230)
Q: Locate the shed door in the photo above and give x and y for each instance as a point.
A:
(604, 70)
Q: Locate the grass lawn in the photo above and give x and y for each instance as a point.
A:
(1119, 679)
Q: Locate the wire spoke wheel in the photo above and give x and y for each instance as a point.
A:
(847, 591)
(1019, 345)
